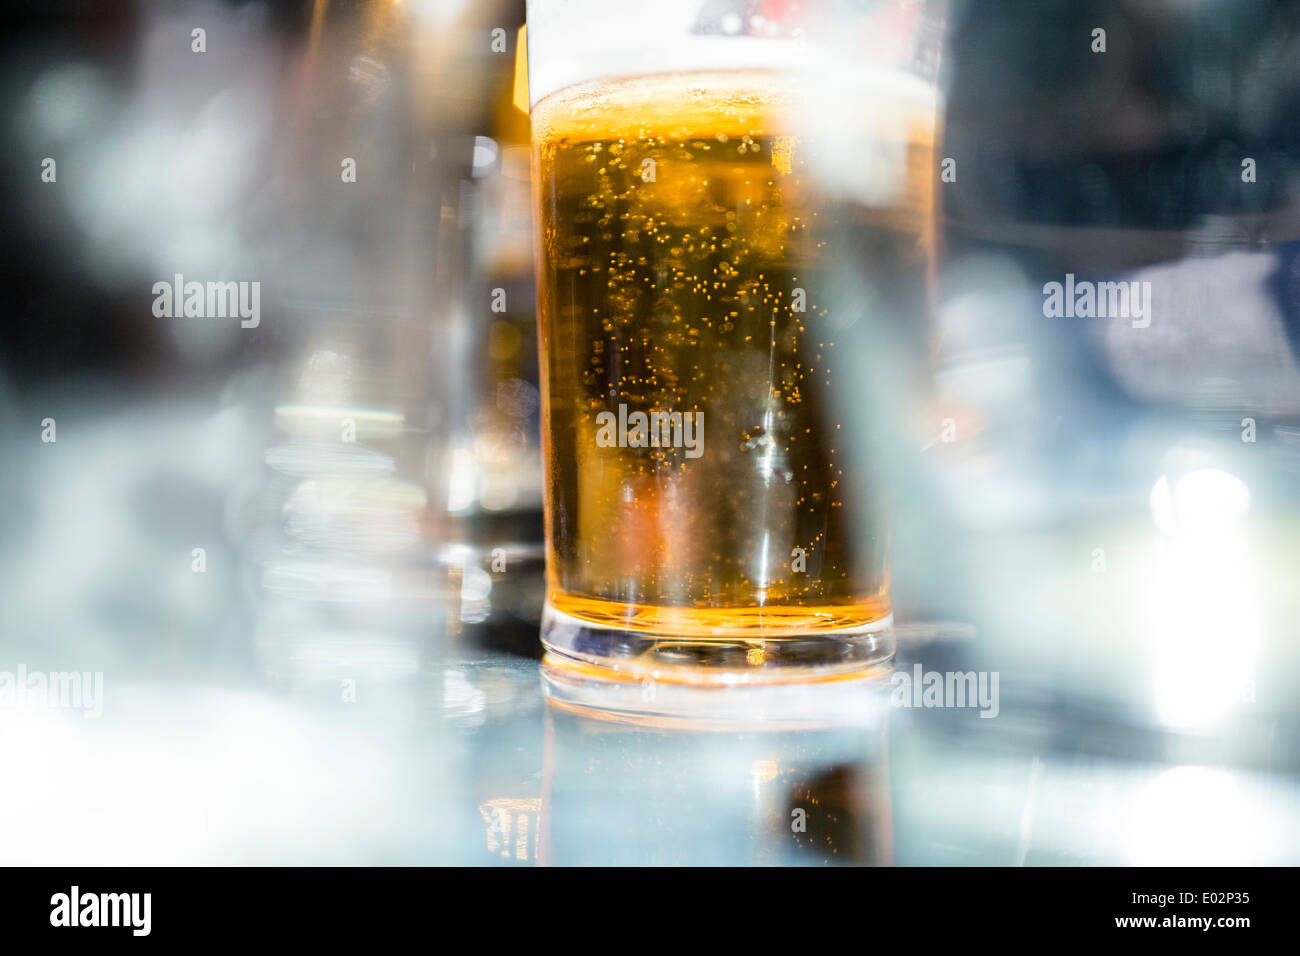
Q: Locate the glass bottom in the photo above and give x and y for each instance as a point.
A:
(859, 700)
(719, 659)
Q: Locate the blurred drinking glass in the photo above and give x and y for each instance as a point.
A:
(705, 522)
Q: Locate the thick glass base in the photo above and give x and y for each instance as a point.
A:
(719, 660)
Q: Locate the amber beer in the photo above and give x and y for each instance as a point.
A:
(697, 485)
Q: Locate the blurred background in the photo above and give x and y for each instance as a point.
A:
(305, 555)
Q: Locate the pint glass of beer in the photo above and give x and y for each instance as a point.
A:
(706, 520)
